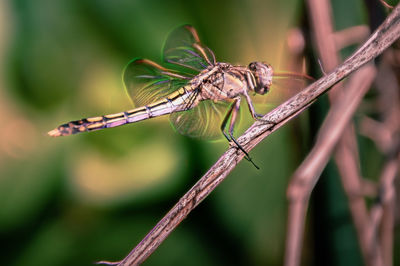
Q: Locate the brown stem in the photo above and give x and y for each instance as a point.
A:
(387, 138)
(389, 173)
(348, 163)
(308, 173)
(349, 36)
(346, 155)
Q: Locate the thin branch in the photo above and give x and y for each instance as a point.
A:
(386, 34)
(382, 212)
(308, 173)
(346, 155)
(349, 36)
(386, 4)
(348, 166)
(377, 132)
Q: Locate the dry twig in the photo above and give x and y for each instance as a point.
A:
(386, 4)
(386, 34)
(308, 173)
(349, 36)
(346, 155)
(388, 140)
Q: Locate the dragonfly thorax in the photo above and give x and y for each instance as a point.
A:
(262, 77)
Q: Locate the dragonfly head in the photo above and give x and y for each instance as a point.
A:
(262, 74)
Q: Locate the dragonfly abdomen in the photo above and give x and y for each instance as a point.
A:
(178, 101)
(89, 124)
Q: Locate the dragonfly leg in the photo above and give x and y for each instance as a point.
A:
(255, 115)
(232, 113)
(225, 121)
(258, 117)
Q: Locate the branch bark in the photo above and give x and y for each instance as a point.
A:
(346, 155)
(308, 173)
(382, 38)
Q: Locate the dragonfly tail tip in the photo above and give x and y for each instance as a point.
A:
(54, 133)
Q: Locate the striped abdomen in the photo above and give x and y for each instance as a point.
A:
(177, 101)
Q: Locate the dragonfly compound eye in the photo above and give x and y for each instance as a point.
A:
(262, 75)
(253, 66)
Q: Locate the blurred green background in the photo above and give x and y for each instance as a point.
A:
(79, 199)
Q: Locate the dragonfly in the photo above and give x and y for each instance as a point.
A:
(200, 94)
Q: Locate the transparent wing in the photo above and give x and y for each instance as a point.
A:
(146, 81)
(184, 50)
(284, 86)
(204, 121)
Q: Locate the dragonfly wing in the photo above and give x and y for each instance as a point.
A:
(184, 50)
(146, 81)
(283, 87)
(203, 121)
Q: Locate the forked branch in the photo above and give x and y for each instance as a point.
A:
(381, 39)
